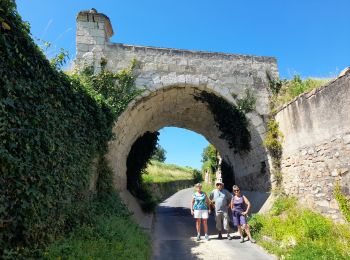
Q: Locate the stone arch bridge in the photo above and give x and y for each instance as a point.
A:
(171, 78)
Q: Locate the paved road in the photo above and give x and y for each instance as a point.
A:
(174, 235)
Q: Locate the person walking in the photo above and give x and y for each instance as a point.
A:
(200, 210)
(221, 198)
(240, 207)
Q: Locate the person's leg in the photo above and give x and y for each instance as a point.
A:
(198, 227)
(205, 227)
(247, 230)
(227, 224)
(239, 227)
(218, 220)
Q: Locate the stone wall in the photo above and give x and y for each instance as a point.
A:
(316, 149)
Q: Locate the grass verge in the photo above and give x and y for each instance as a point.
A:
(157, 172)
(106, 231)
(291, 232)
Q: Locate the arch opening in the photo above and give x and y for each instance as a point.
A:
(176, 106)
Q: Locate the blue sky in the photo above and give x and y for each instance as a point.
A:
(308, 37)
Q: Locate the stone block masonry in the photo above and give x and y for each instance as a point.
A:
(171, 78)
(316, 149)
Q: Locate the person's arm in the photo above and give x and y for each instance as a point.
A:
(232, 204)
(207, 201)
(247, 202)
(192, 203)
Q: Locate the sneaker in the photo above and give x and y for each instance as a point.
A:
(242, 240)
(252, 241)
(229, 237)
(198, 237)
(207, 237)
(220, 236)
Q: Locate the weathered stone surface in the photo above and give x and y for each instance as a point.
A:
(316, 144)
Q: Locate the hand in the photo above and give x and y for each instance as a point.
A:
(244, 213)
(209, 211)
(192, 213)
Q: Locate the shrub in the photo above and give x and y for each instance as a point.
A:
(282, 204)
(314, 225)
(316, 250)
(107, 233)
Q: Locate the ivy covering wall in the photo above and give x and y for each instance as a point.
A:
(51, 127)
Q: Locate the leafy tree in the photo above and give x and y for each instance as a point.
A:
(209, 158)
(159, 154)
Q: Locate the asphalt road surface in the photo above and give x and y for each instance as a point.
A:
(174, 235)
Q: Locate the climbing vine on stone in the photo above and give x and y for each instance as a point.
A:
(274, 137)
(230, 120)
(52, 127)
(247, 103)
(343, 202)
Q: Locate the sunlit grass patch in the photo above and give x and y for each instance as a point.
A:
(293, 232)
(160, 172)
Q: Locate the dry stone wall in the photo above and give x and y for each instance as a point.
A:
(316, 149)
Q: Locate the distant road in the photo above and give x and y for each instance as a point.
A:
(174, 235)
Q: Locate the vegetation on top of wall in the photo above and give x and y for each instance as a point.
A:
(285, 90)
(52, 127)
(230, 120)
(292, 232)
(343, 202)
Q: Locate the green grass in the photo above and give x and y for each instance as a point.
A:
(296, 86)
(157, 172)
(298, 233)
(106, 232)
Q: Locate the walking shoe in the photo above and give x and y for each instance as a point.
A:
(198, 237)
(207, 237)
(219, 236)
(252, 241)
(242, 240)
(229, 237)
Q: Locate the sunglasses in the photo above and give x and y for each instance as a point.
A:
(236, 191)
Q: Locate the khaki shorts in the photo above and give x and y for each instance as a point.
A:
(222, 218)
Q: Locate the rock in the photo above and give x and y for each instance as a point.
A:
(346, 139)
(323, 203)
(334, 173)
(311, 151)
(343, 171)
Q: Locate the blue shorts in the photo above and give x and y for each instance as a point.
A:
(238, 219)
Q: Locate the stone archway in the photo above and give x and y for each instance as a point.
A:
(175, 106)
(171, 77)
